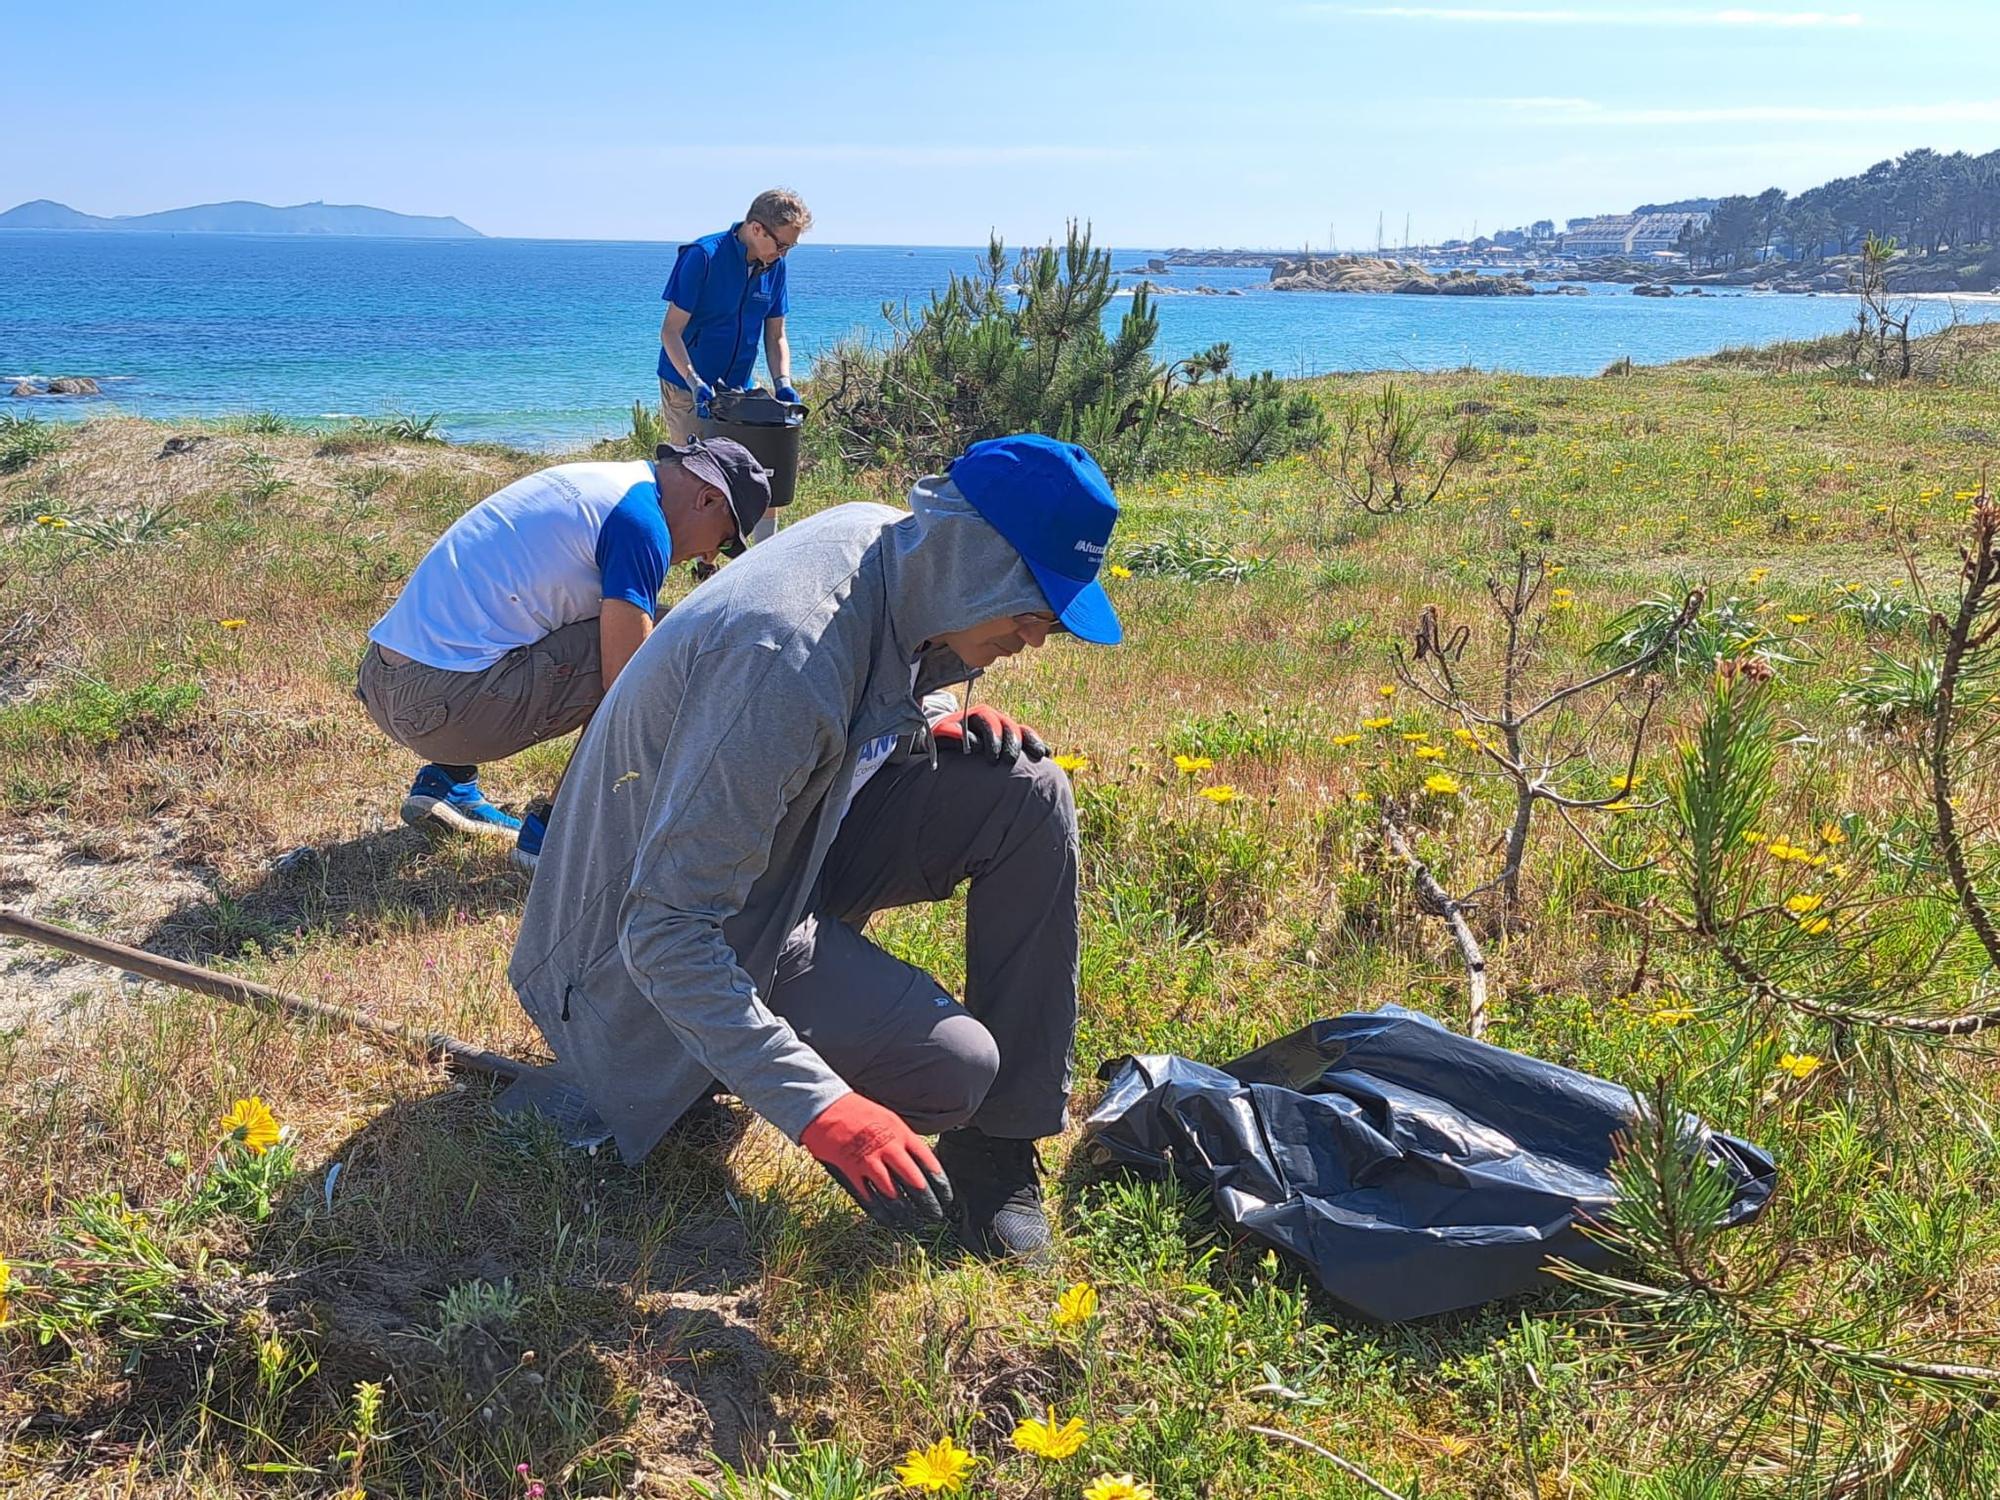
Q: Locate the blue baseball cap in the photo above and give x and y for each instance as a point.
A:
(1053, 503)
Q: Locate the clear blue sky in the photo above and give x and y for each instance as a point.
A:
(1165, 122)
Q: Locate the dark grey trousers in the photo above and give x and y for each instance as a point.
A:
(1001, 1061)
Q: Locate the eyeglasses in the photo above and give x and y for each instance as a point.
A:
(781, 245)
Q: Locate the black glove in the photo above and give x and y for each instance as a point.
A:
(987, 729)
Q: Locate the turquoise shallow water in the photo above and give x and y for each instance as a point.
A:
(544, 343)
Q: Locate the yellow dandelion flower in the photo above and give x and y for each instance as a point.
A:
(1387, 690)
(1362, 796)
(1628, 783)
(1117, 1487)
(6, 1277)
(1798, 619)
(1832, 833)
(1415, 736)
(1076, 1306)
(1219, 793)
(1051, 1439)
(1117, 570)
(1189, 764)
(1799, 1064)
(1072, 763)
(1758, 575)
(1345, 739)
(1440, 785)
(1673, 1016)
(1622, 805)
(1804, 902)
(1430, 752)
(1382, 723)
(940, 1468)
(232, 624)
(1465, 736)
(251, 1122)
(54, 523)
(1816, 925)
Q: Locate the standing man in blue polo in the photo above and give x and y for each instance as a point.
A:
(726, 290)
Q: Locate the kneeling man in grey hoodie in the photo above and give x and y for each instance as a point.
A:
(764, 776)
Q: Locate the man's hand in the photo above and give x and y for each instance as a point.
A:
(986, 729)
(786, 393)
(704, 398)
(885, 1166)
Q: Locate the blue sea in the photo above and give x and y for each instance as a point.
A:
(545, 343)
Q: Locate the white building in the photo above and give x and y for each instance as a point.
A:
(1630, 235)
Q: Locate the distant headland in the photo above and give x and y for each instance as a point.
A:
(347, 219)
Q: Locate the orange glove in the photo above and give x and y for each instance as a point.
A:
(885, 1166)
(986, 728)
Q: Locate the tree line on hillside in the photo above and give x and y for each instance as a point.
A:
(1925, 201)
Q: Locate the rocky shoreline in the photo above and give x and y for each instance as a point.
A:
(1363, 273)
(61, 385)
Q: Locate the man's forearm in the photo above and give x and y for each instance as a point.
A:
(678, 356)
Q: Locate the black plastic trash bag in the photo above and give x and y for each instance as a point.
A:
(1411, 1169)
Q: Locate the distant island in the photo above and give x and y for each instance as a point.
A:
(350, 219)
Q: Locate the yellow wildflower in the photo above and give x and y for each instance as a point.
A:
(1051, 1439)
(1362, 796)
(1415, 736)
(1440, 785)
(1799, 619)
(1800, 1065)
(6, 1276)
(940, 1467)
(1671, 1017)
(1816, 925)
(1465, 736)
(1077, 1305)
(232, 624)
(1219, 793)
(1804, 902)
(1345, 739)
(1628, 783)
(1832, 833)
(1387, 690)
(1382, 723)
(1758, 575)
(251, 1122)
(1430, 752)
(1622, 805)
(1189, 764)
(1116, 570)
(55, 523)
(1072, 763)
(1117, 1487)
(1751, 836)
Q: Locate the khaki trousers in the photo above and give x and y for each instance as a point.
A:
(533, 693)
(677, 414)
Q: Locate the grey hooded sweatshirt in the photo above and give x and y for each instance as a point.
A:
(701, 803)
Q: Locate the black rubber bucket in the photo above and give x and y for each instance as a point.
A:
(768, 427)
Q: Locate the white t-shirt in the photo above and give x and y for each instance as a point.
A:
(875, 754)
(545, 552)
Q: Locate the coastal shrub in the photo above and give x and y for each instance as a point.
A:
(25, 439)
(1192, 558)
(1023, 348)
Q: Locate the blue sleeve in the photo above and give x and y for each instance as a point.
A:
(781, 301)
(633, 549)
(690, 273)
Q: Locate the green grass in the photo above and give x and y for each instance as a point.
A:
(640, 1330)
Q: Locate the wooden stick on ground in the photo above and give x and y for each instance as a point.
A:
(228, 987)
(1442, 904)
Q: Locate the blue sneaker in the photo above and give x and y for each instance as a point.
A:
(436, 800)
(528, 846)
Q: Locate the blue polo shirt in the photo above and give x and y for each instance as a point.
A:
(726, 307)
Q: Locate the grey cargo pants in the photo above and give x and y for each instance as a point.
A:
(1000, 1061)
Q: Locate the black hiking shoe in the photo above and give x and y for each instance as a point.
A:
(996, 1185)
